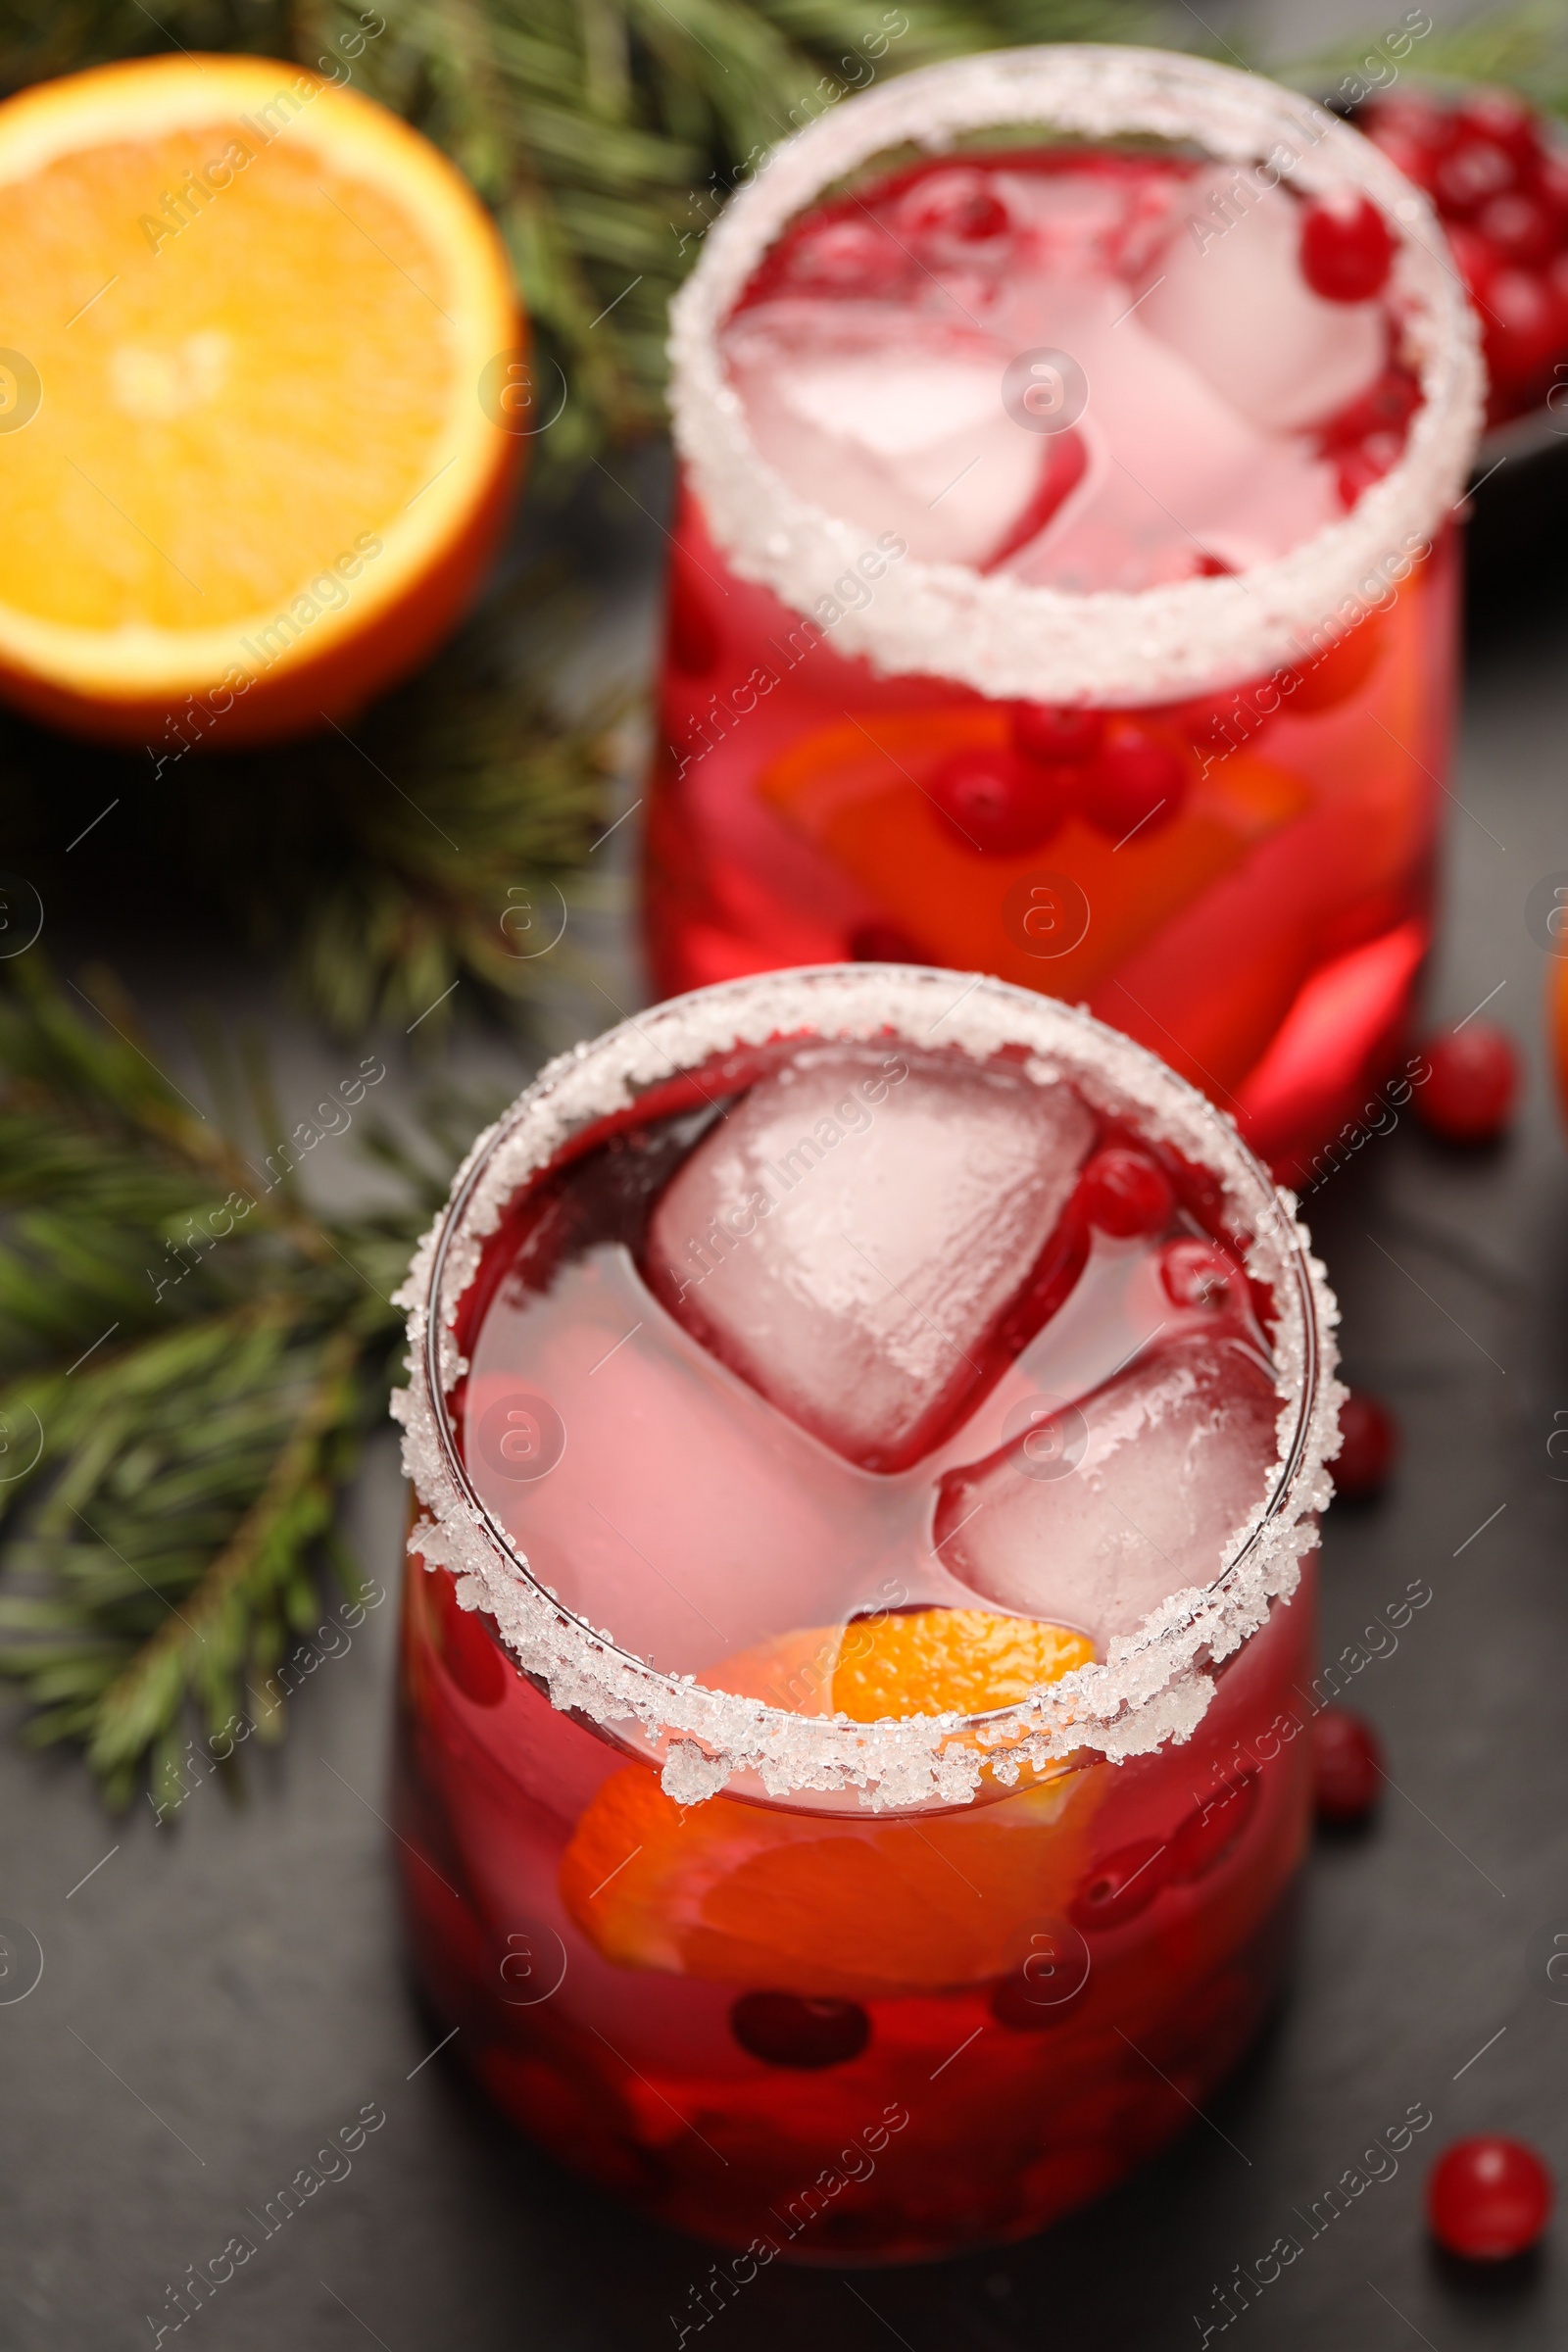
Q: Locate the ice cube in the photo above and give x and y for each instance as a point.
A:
(892, 421)
(1228, 294)
(1122, 1507)
(848, 1236)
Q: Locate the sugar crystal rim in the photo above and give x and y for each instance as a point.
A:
(1153, 1684)
(1007, 637)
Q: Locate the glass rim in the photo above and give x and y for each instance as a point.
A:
(1001, 636)
(1151, 1686)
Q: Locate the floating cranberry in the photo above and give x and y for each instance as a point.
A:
(1369, 1447)
(1126, 1193)
(994, 801)
(1214, 1830)
(1346, 247)
(1519, 228)
(784, 2030)
(1487, 2198)
(961, 204)
(1470, 1096)
(1471, 172)
(1136, 783)
(1201, 1274)
(1054, 734)
(1348, 1765)
(1122, 1885)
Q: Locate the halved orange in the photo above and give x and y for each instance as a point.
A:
(845, 1904)
(257, 429)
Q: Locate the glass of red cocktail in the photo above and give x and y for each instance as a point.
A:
(866, 1430)
(1063, 577)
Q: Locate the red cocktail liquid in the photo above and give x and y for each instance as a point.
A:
(1104, 373)
(875, 1371)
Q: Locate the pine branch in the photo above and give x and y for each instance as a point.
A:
(190, 1360)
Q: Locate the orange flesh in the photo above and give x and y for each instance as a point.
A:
(848, 1904)
(227, 413)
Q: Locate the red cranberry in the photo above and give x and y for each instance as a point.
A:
(1470, 1096)
(1207, 1836)
(1126, 1193)
(1056, 734)
(1386, 408)
(1472, 171)
(1487, 2198)
(1519, 228)
(1501, 119)
(1551, 188)
(1420, 122)
(958, 204)
(1525, 326)
(1201, 1274)
(1015, 2001)
(1478, 261)
(1369, 1447)
(996, 802)
(1347, 248)
(784, 2030)
(1135, 784)
(1122, 1885)
(1347, 1764)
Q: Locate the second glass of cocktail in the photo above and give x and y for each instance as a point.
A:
(867, 1429)
(1063, 577)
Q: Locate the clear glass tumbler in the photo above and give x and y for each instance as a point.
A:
(826, 1877)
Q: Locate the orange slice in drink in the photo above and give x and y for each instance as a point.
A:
(858, 792)
(256, 430)
(842, 1904)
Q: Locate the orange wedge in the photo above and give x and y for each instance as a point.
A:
(257, 431)
(863, 801)
(844, 1904)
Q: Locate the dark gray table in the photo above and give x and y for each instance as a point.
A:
(221, 1993)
